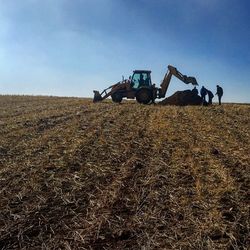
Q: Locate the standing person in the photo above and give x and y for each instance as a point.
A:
(219, 93)
(210, 97)
(195, 91)
(203, 93)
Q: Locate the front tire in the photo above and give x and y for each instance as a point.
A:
(144, 96)
(116, 97)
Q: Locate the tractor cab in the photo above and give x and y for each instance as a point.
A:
(141, 78)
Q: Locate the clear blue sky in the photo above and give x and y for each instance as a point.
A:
(70, 47)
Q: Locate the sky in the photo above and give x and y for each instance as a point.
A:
(72, 47)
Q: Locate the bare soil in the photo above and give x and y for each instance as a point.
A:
(78, 175)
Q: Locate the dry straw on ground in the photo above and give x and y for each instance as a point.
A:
(78, 175)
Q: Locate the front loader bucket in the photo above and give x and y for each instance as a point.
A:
(97, 96)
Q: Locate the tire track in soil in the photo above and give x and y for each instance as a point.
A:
(127, 172)
(175, 180)
(35, 107)
(89, 140)
(198, 203)
(42, 139)
(37, 142)
(33, 214)
(140, 172)
(205, 170)
(52, 130)
(25, 126)
(121, 214)
(174, 176)
(219, 190)
(101, 210)
(236, 161)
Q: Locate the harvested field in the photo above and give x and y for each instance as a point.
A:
(78, 175)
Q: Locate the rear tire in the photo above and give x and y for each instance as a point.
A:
(116, 97)
(144, 96)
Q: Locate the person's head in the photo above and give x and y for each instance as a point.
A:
(217, 86)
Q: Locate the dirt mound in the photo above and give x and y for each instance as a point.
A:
(182, 98)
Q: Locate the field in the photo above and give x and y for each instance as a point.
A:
(78, 175)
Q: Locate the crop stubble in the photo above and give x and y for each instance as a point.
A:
(78, 175)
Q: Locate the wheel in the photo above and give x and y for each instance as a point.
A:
(144, 96)
(116, 97)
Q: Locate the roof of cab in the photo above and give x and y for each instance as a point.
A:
(142, 71)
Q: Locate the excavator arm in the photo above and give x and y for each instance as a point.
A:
(167, 78)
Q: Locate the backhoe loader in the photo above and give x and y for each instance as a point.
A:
(139, 86)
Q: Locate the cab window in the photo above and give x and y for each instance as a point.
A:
(141, 79)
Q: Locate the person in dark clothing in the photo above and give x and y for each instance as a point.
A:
(147, 81)
(210, 97)
(203, 93)
(219, 93)
(195, 91)
(141, 81)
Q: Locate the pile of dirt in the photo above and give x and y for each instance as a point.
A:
(183, 98)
